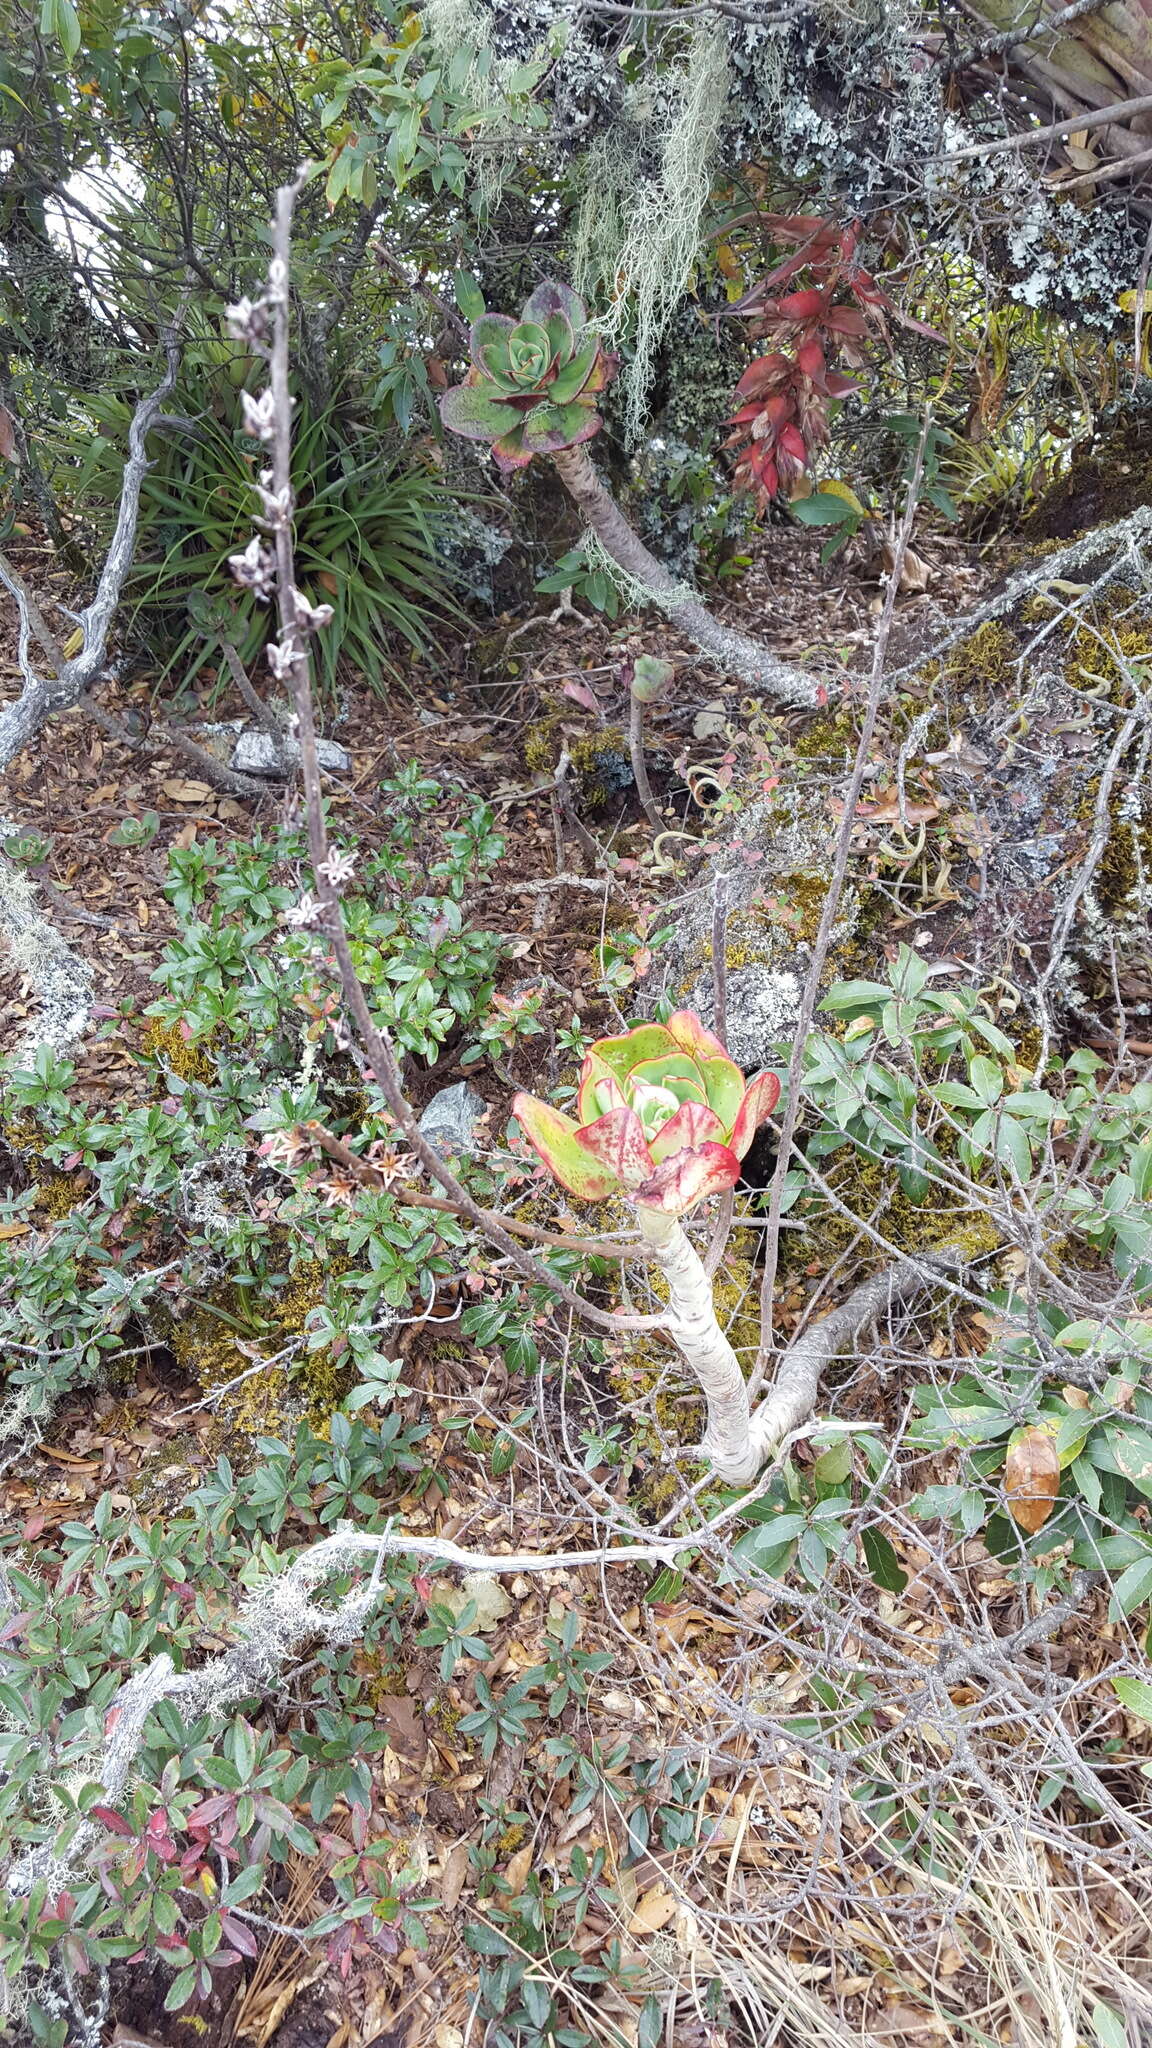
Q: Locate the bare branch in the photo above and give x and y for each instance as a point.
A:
(43, 695)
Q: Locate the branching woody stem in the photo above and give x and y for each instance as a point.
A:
(736, 652)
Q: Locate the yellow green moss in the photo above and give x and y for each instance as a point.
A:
(828, 735)
(984, 664)
(542, 744)
(1104, 655)
(267, 1402)
(57, 1195)
(182, 1056)
(871, 1192)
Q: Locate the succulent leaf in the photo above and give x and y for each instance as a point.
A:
(476, 413)
(489, 329)
(552, 298)
(545, 364)
(682, 1180)
(554, 1136)
(760, 1099)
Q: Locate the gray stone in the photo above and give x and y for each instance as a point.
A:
(450, 1120)
(255, 754)
(763, 1007)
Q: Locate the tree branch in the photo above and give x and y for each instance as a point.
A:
(735, 651)
(43, 695)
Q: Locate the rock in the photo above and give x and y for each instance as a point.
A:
(485, 1594)
(763, 1007)
(59, 982)
(450, 1120)
(775, 858)
(255, 754)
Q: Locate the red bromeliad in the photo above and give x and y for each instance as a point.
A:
(783, 418)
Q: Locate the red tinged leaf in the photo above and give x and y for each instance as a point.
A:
(810, 357)
(846, 320)
(760, 1100)
(617, 1141)
(114, 1822)
(693, 1124)
(210, 1809)
(792, 443)
(239, 1935)
(694, 1037)
(762, 374)
(687, 1178)
(804, 305)
(798, 227)
(554, 1136)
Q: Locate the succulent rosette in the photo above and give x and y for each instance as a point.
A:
(664, 1115)
(534, 381)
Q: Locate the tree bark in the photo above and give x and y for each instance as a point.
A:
(736, 652)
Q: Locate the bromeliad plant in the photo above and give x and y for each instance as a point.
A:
(533, 384)
(664, 1117)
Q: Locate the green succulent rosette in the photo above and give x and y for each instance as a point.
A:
(533, 384)
(664, 1115)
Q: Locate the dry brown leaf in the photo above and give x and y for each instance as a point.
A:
(182, 792)
(653, 1911)
(7, 435)
(13, 1229)
(518, 1867)
(1031, 1477)
(452, 1876)
(1076, 1397)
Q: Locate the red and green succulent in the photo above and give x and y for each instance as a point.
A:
(533, 384)
(664, 1116)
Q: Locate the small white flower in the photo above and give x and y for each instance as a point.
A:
(277, 504)
(255, 569)
(277, 279)
(280, 660)
(304, 912)
(259, 415)
(311, 616)
(338, 868)
(247, 320)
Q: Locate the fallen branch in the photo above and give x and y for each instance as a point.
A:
(272, 1623)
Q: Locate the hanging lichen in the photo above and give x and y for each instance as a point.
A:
(489, 85)
(645, 185)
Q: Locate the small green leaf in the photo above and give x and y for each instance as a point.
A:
(882, 1561)
(1135, 1694)
(468, 295)
(824, 508)
(1109, 2027)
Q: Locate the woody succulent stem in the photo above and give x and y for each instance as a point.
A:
(736, 652)
(728, 1444)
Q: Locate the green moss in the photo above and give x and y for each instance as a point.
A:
(595, 756)
(984, 665)
(870, 1191)
(271, 1401)
(183, 1056)
(57, 1195)
(830, 735)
